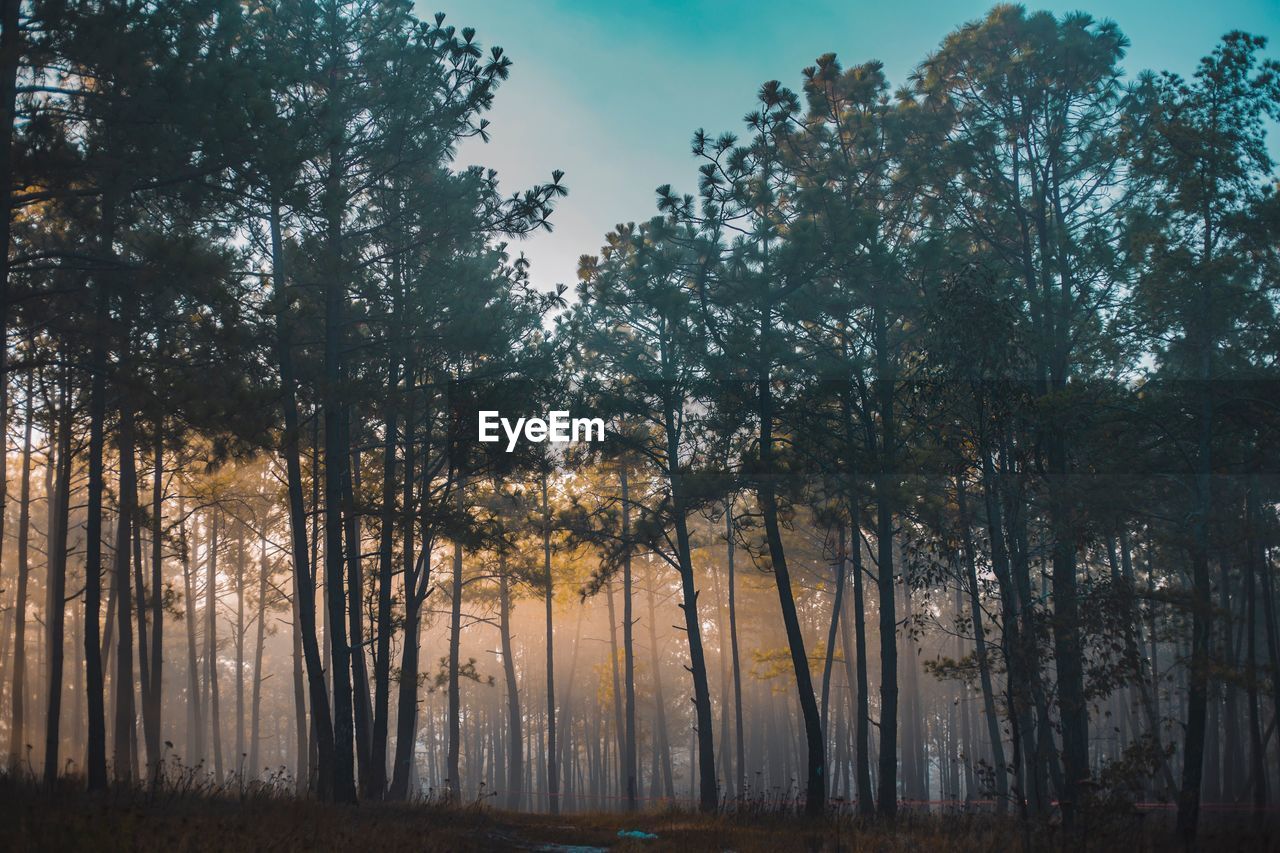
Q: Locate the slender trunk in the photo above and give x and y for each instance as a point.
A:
(304, 587)
(57, 585)
(126, 497)
(629, 769)
(816, 782)
(569, 745)
(884, 386)
(1031, 794)
(10, 56)
(302, 749)
(415, 581)
(980, 652)
(1068, 650)
(377, 776)
(724, 769)
(407, 687)
(340, 652)
(108, 642)
(553, 778)
(317, 536)
(1268, 591)
(241, 589)
(77, 686)
(837, 602)
(708, 796)
(95, 688)
(1232, 741)
(144, 657)
(515, 746)
(211, 648)
(18, 697)
(862, 729)
(362, 708)
(455, 698)
(661, 741)
(613, 671)
(914, 762)
(1201, 605)
(1133, 648)
(1198, 692)
(416, 584)
(152, 708)
(195, 717)
(1257, 747)
(264, 571)
(337, 457)
(740, 757)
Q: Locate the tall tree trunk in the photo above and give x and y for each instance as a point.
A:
(569, 744)
(416, 585)
(1268, 591)
(240, 707)
(10, 57)
(211, 648)
(123, 758)
(553, 778)
(108, 642)
(416, 579)
(1019, 679)
(1073, 711)
(55, 613)
(144, 657)
(152, 707)
(862, 727)
(18, 697)
(980, 652)
(455, 698)
(629, 769)
(337, 456)
(1068, 648)
(816, 781)
(515, 746)
(887, 800)
(708, 796)
(386, 538)
(837, 603)
(264, 571)
(914, 783)
(1257, 747)
(740, 755)
(95, 687)
(617, 684)
(77, 687)
(362, 709)
(304, 587)
(724, 769)
(1232, 740)
(195, 716)
(661, 736)
(302, 750)
(340, 652)
(1201, 605)
(408, 564)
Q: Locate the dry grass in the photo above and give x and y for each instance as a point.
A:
(264, 819)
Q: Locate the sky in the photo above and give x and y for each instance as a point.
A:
(611, 91)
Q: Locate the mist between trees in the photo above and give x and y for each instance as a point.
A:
(941, 469)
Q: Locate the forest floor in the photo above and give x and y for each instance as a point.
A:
(68, 819)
